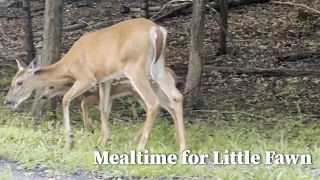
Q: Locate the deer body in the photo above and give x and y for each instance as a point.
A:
(119, 88)
(133, 49)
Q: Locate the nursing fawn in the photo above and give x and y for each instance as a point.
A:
(119, 88)
(134, 49)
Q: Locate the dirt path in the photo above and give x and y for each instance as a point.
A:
(9, 170)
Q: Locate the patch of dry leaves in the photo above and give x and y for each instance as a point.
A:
(263, 32)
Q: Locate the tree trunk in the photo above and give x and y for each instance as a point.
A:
(192, 89)
(89, 3)
(51, 50)
(224, 28)
(144, 12)
(27, 27)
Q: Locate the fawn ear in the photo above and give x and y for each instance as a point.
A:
(21, 65)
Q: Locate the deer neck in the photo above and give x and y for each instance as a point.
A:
(53, 75)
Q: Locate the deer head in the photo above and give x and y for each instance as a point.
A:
(22, 83)
(52, 91)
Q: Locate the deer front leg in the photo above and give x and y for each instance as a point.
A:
(105, 107)
(77, 89)
(90, 100)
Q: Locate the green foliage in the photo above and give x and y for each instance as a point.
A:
(290, 93)
(40, 144)
(7, 174)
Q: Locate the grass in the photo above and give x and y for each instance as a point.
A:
(7, 174)
(40, 144)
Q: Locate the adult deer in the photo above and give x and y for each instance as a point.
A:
(133, 48)
(119, 88)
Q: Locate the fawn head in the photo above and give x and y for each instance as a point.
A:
(50, 92)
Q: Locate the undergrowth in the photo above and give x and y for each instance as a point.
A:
(40, 144)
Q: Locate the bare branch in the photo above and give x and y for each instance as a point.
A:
(262, 72)
(164, 6)
(296, 4)
(88, 24)
(214, 13)
(232, 112)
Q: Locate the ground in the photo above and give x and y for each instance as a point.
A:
(241, 112)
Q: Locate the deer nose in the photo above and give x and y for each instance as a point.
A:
(43, 97)
(7, 102)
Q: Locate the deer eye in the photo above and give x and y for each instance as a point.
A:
(51, 87)
(19, 83)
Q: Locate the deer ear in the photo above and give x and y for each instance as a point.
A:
(35, 63)
(21, 64)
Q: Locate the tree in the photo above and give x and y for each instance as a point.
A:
(144, 11)
(51, 50)
(192, 87)
(27, 27)
(224, 28)
(89, 3)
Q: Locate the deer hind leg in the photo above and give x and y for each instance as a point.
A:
(164, 103)
(90, 100)
(140, 82)
(141, 102)
(77, 89)
(105, 107)
(167, 85)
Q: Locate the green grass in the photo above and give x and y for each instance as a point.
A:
(40, 144)
(7, 174)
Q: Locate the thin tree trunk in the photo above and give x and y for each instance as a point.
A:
(144, 12)
(192, 89)
(89, 3)
(27, 27)
(51, 50)
(224, 29)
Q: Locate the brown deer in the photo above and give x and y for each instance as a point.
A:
(134, 49)
(119, 88)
